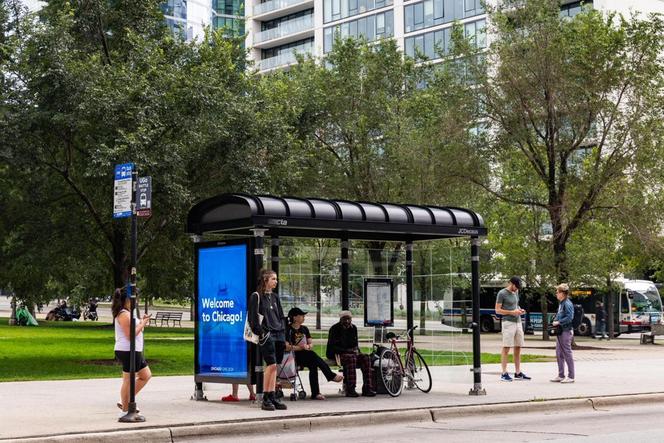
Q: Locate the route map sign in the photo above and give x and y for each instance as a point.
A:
(122, 190)
(378, 302)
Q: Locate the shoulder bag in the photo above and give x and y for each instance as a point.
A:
(248, 333)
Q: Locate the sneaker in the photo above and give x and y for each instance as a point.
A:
(230, 398)
(521, 376)
(557, 379)
(567, 380)
(505, 377)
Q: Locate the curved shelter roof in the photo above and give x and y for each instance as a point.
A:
(320, 218)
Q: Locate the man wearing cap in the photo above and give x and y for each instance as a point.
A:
(507, 305)
(298, 339)
(342, 341)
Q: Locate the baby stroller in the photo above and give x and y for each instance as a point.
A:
(288, 377)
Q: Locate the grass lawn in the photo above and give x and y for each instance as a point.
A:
(76, 350)
(72, 350)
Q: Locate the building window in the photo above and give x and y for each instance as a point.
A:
(340, 9)
(372, 27)
(433, 45)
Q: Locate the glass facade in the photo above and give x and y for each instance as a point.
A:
(340, 9)
(300, 46)
(430, 13)
(372, 27)
(228, 7)
(437, 43)
(270, 24)
(232, 25)
(571, 9)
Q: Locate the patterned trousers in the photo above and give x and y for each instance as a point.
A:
(350, 362)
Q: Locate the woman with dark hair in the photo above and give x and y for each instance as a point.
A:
(120, 307)
(266, 318)
(298, 339)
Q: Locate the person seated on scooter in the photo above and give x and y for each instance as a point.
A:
(342, 341)
(298, 339)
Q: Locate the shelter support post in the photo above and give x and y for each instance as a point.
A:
(409, 286)
(345, 271)
(274, 256)
(259, 254)
(475, 277)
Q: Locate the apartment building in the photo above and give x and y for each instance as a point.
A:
(276, 29)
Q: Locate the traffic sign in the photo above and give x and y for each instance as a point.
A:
(122, 190)
(144, 197)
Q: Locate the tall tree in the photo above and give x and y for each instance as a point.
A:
(571, 108)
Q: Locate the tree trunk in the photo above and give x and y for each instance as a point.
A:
(545, 317)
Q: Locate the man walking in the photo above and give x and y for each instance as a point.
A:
(507, 305)
(600, 321)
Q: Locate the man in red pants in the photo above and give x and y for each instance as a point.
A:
(342, 341)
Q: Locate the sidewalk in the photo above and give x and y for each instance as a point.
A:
(67, 408)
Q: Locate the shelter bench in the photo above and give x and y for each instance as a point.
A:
(166, 317)
(649, 337)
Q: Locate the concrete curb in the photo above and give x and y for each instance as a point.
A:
(329, 421)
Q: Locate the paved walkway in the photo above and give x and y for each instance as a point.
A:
(34, 409)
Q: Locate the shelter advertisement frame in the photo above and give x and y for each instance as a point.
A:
(222, 276)
(378, 302)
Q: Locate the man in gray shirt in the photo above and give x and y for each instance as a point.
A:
(507, 305)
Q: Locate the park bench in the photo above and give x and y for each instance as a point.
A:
(165, 317)
(649, 337)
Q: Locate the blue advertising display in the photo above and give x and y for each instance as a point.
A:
(221, 310)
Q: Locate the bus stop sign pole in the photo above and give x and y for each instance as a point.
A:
(132, 416)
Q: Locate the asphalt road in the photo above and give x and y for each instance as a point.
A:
(612, 424)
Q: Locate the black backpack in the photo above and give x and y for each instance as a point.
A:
(578, 316)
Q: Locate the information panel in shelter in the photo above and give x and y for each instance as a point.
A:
(378, 303)
(221, 352)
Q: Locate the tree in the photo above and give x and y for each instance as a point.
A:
(571, 109)
(98, 83)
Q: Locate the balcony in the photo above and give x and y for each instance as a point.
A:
(275, 8)
(280, 61)
(291, 28)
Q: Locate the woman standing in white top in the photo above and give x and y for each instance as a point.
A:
(120, 307)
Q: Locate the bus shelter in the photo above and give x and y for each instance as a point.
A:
(226, 270)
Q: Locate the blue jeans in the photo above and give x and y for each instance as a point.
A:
(600, 329)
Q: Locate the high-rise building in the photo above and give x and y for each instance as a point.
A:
(276, 29)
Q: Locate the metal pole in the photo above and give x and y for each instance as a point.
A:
(409, 286)
(274, 259)
(345, 270)
(132, 416)
(475, 276)
(259, 254)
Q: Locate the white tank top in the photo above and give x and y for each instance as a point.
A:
(122, 341)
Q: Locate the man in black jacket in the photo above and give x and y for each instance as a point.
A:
(342, 341)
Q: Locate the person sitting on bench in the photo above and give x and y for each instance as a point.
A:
(298, 339)
(342, 341)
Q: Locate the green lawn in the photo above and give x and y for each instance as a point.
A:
(73, 350)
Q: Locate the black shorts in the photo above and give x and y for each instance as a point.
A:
(273, 349)
(123, 357)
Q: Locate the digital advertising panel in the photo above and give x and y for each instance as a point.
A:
(221, 308)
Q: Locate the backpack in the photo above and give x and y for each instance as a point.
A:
(578, 316)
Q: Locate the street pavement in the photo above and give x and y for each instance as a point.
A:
(84, 410)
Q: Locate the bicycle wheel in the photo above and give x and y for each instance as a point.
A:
(419, 371)
(390, 372)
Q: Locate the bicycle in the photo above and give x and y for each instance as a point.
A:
(393, 371)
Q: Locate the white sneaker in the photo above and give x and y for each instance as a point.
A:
(557, 379)
(567, 380)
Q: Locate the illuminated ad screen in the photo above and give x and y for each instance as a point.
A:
(221, 352)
